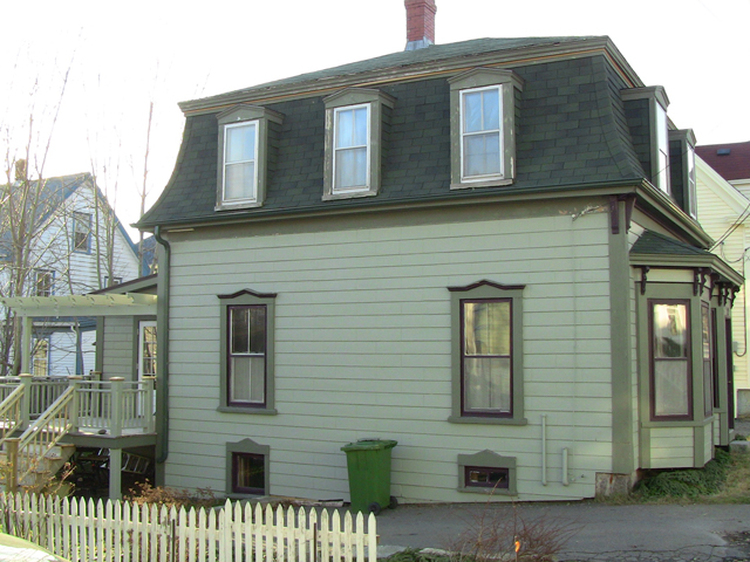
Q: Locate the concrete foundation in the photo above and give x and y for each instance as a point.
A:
(613, 484)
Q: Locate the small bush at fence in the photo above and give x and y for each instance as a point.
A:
(146, 494)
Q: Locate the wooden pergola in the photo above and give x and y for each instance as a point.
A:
(28, 308)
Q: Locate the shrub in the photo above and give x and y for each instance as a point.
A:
(145, 493)
(691, 483)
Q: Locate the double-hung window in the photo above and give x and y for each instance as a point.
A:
(485, 357)
(483, 111)
(240, 162)
(354, 126)
(247, 136)
(481, 133)
(487, 353)
(82, 232)
(351, 140)
(44, 282)
(247, 366)
(247, 354)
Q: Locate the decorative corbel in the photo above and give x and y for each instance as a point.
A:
(700, 276)
(644, 278)
(614, 211)
(714, 284)
(735, 289)
(629, 206)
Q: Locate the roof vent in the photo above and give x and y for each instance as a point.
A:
(420, 24)
(724, 152)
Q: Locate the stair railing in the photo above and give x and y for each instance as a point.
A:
(26, 451)
(10, 413)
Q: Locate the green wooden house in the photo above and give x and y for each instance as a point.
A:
(484, 250)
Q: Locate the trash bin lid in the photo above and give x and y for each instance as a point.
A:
(370, 445)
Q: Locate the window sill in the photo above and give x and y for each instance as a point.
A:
(237, 206)
(487, 491)
(349, 195)
(488, 420)
(497, 182)
(247, 410)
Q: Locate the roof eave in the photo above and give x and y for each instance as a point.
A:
(676, 261)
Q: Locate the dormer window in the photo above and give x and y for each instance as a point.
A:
(646, 112)
(244, 147)
(682, 170)
(661, 174)
(355, 120)
(483, 127)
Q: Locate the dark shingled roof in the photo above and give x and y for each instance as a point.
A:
(570, 123)
(653, 243)
(731, 160)
(433, 53)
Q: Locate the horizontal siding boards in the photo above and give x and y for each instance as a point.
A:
(118, 356)
(363, 350)
(672, 447)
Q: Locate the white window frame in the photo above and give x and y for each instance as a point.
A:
(252, 197)
(661, 148)
(499, 132)
(336, 189)
(84, 219)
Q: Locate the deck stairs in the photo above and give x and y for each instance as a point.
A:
(43, 466)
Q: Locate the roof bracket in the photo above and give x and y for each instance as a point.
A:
(644, 271)
(701, 275)
(614, 211)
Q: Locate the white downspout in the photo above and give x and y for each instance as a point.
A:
(544, 449)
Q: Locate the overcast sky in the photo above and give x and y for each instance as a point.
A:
(121, 56)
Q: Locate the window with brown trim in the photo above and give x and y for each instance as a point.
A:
(670, 374)
(487, 353)
(247, 366)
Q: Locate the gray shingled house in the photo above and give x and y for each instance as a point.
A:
(484, 250)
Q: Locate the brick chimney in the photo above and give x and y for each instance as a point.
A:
(420, 24)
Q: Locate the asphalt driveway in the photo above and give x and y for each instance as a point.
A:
(599, 532)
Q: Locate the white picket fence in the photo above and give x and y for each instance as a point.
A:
(117, 531)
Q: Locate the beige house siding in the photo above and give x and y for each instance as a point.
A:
(363, 350)
(719, 207)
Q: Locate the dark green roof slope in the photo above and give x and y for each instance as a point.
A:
(653, 243)
(570, 131)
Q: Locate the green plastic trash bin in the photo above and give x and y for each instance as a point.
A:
(369, 464)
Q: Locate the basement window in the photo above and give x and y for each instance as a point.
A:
(486, 477)
(247, 468)
(487, 472)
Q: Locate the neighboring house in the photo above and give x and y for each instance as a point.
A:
(724, 209)
(78, 246)
(476, 249)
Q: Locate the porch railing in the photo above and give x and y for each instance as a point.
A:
(117, 406)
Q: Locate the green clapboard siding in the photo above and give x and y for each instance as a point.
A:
(362, 345)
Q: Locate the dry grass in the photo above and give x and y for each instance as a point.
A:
(736, 488)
